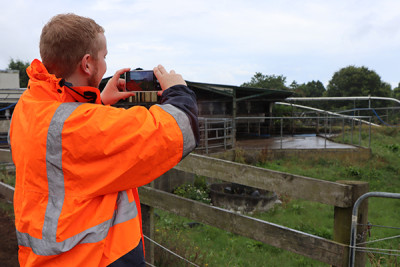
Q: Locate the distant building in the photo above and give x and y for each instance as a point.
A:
(9, 79)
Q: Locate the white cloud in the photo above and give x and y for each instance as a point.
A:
(225, 41)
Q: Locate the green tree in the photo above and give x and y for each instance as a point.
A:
(310, 89)
(21, 66)
(396, 92)
(260, 80)
(357, 81)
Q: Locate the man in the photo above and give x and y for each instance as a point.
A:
(79, 160)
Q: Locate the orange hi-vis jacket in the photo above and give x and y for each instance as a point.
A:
(78, 166)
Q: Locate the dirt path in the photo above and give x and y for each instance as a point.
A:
(8, 241)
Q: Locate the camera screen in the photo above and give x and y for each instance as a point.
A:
(141, 81)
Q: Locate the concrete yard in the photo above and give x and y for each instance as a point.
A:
(291, 142)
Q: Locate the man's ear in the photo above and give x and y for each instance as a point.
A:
(86, 64)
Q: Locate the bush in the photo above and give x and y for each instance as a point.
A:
(198, 191)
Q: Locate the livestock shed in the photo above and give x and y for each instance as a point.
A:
(226, 112)
(222, 106)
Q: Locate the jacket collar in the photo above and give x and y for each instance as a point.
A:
(49, 86)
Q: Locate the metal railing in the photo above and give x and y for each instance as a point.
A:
(218, 132)
(215, 133)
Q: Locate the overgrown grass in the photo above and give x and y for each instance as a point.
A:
(214, 247)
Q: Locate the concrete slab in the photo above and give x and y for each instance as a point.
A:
(291, 142)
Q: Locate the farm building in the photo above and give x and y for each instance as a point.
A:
(218, 106)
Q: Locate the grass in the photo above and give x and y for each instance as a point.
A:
(214, 247)
(209, 246)
(7, 178)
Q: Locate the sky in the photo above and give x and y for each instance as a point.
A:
(224, 42)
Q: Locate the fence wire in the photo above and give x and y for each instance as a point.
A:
(173, 253)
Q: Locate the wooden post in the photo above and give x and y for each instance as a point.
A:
(148, 229)
(342, 220)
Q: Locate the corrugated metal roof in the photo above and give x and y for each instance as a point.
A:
(12, 95)
(241, 92)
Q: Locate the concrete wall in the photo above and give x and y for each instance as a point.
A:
(4, 126)
(172, 179)
(251, 156)
(9, 79)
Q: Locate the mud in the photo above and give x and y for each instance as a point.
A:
(8, 241)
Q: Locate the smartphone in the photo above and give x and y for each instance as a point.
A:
(141, 80)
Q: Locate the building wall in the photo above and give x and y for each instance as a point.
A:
(9, 79)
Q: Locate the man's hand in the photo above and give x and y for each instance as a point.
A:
(115, 89)
(166, 79)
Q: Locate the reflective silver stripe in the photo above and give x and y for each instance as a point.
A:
(55, 175)
(48, 245)
(182, 119)
(126, 211)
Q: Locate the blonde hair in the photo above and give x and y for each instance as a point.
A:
(65, 39)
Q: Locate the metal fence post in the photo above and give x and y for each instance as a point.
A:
(359, 135)
(281, 131)
(225, 134)
(325, 125)
(343, 130)
(369, 142)
(352, 128)
(206, 134)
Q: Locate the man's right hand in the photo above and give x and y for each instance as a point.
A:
(167, 79)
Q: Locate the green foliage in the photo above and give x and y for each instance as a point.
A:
(200, 182)
(260, 80)
(396, 92)
(21, 67)
(393, 147)
(357, 81)
(6, 177)
(281, 111)
(310, 89)
(353, 171)
(197, 191)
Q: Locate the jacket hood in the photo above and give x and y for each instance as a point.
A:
(46, 84)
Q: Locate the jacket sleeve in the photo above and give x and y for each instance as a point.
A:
(107, 149)
(183, 98)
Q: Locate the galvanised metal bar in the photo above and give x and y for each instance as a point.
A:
(354, 218)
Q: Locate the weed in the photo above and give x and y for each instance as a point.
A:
(194, 192)
(393, 147)
(353, 171)
(6, 177)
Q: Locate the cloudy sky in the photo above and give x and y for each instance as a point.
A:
(224, 41)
